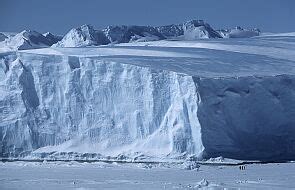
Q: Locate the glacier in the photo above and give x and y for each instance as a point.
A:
(155, 100)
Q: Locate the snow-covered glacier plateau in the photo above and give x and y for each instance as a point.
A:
(151, 100)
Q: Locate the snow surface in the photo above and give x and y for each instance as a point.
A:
(74, 175)
(151, 100)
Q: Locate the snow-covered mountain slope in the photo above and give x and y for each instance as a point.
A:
(190, 30)
(52, 38)
(84, 35)
(196, 29)
(239, 32)
(27, 39)
(2, 37)
(151, 100)
(87, 36)
(171, 31)
(125, 34)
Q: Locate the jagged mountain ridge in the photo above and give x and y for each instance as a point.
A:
(84, 35)
(125, 34)
(87, 35)
(196, 29)
(28, 39)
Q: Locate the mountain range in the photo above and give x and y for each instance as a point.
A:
(87, 35)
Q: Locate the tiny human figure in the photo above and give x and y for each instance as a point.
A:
(242, 167)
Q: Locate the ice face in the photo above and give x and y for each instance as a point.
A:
(249, 117)
(92, 105)
(205, 99)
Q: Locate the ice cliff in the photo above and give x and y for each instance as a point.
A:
(156, 102)
(88, 105)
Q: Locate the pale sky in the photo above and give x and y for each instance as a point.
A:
(59, 16)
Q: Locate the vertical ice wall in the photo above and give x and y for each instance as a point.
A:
(98, 105)
(248, 117)
(93, 105)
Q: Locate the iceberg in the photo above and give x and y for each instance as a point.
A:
(150, 100)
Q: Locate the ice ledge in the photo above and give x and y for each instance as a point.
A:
(204, 58)
(130, 104)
